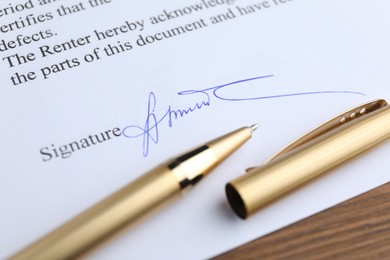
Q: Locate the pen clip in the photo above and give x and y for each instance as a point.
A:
(330, 125)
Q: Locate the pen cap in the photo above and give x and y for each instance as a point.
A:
(260, 186)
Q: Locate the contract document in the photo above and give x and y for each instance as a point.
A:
(93, 93)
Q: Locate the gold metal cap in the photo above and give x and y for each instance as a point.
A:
(325, 147)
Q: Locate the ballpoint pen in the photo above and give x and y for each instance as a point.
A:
(135, 200)
(322, 149)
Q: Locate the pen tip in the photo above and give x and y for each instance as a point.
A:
(254, 127)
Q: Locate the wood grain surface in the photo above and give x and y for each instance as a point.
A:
(356, 229)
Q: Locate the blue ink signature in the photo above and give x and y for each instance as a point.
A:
(150, 130)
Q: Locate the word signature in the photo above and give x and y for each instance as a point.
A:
(149, 131)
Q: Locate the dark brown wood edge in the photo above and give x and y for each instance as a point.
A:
(355, 229)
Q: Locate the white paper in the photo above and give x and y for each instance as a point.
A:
(307, 46)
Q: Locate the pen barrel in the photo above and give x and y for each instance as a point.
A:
(249, 193)
(126, 206)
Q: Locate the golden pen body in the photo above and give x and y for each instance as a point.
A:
(134, 201)
(262, 185)
(106, 217)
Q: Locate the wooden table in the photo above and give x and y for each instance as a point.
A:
(356, 229)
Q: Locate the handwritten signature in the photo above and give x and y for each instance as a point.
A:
(149, 132)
